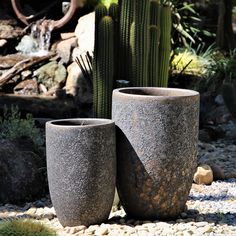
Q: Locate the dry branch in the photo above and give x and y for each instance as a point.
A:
(21, 66)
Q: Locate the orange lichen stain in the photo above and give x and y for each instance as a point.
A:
(157, 198)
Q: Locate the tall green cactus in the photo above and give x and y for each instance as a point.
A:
(125, 58)
(103, 63)
(140, 42)
(155, 33)
(132, 45)
(114, 12)
(155, 8)
(147, 43)
(100, 12)
(153, 55)
(165, 46)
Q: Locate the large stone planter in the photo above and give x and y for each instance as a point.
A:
(157, 148)
(81, 164)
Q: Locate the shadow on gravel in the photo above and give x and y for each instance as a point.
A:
(222, 197)
(216, 218)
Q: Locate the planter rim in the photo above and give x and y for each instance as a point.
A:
(89, 123)
(174, 93)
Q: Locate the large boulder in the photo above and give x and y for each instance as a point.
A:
(85, 33)
(22, 176)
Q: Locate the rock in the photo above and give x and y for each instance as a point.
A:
(72, 81)
(3, 42)
(27, 87)
(31, 211)
(77, 85)
(51, 74)
(204, 175)
(101, 231)
(219, 100)
(64, 49)
(8, 31)
(91, 229)
(218, 173)
(20, 175)
(26, 74)
(65, 36)
(85, 32)
(42, 88)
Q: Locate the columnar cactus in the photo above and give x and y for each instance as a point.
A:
(126, 19)
(133, 44)
(103, 64)
(165, 46)
(155, 8)
(155, 33)
(154, 55)
(140, 42)
(146, 69)
(114, 13)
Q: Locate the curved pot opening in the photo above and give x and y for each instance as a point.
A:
(81, 122)
(159, 92)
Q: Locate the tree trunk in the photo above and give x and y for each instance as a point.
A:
(225, 38)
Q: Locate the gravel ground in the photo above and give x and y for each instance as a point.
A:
(211, 210)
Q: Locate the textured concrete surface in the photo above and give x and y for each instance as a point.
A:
(81, 163)
(157, 132)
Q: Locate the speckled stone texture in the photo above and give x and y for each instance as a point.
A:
(81, 164)
(157, 133)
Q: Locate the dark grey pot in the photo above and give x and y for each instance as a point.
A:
(81, 165)
(156, 149)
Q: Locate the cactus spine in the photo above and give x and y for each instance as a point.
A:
(165, 46)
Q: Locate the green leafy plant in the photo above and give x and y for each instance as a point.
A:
(107, 3)
(12, 126)
(186, 21)
(192, 62)
(24, 228)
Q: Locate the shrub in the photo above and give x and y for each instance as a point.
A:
(24, 228)
(193, 62)
(12, 126)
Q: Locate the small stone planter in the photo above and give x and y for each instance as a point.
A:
(156, 149)
(81, 164)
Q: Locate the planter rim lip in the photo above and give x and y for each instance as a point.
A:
(95, 122)
(186, 93)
